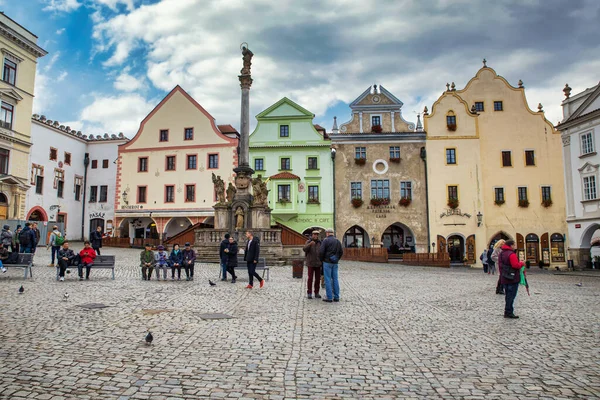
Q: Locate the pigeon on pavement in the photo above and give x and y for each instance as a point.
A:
(66, 296)
(149, 338)
(21, 289)
(579, 284)
(211, 283)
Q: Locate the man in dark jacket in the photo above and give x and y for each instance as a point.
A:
(65, 258)
(311, 252)
(27, 239)
(224, 257)
(96, 239)
(38, 235)
(251, 256)
(330, 254)
(510, 264)
(232, 258)
(189, 259)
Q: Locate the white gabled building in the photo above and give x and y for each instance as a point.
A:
(61, 189)
(580, 131)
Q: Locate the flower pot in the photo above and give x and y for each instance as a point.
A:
(395, 160)
(360, 161)
(357, 202)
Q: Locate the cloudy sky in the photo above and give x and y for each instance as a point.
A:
(111, 61)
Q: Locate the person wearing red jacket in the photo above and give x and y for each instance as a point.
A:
(87, 256)
(510, 276)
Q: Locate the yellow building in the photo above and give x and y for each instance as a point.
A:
(19, 54)
(164, 174)
(495, 171)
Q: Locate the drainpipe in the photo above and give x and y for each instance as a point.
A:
(86, 163)
(424, 158)
(333, 151)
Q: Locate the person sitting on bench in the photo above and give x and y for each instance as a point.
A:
(3, 257)
(147, 262)
(162, 262)
(66, 257)
(88, 255)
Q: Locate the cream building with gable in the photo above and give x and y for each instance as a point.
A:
(494, 171)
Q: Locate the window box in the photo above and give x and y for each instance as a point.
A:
(405, 202)
(284, 201)
(546, 203)
(453, 203)
(313, 202)
(376, 129)
(360, 161)
(523, 203)
(395, 160)
(499, 202)
(357, 202)
(452, 127)
(376, 201)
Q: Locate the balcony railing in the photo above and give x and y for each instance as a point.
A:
(6, 125)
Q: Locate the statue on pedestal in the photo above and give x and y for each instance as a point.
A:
(239, 219)
(231, 190)
(219, 188)
(247, 57)
(260, 191)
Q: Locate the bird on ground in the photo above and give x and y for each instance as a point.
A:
(66, 296)
(579, 284)
(21, 289)
(149, 338)
(211, 283)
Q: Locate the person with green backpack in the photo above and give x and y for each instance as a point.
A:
(57, 239)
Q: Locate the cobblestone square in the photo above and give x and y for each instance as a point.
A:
(398, 332)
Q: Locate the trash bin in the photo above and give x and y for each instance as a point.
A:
(297, 268)
(570, 265)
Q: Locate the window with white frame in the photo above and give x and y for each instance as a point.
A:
(380, 189)
(355, 190)
(587, 143)
(406, 190)
(589, 188)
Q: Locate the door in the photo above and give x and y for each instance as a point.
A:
(471, 250)
(3, 206)
(521, 247)
(95, 223)
(532, 248)
(441, 244)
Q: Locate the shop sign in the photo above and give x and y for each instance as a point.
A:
(131, 207)
(456, 211)
(96, 215)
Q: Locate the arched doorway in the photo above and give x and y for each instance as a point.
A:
(499, 236)
(456, 248)
(532, 248)
(95, 223)
(557, 243)
(175, 226)
(151, 231)
(398, 239)
(3, 206)
(37, 214)
(356, 237)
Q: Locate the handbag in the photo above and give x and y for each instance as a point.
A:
(509, 273)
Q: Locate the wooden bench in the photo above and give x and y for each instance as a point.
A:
(105, 262)
(260, 266)
(25, 261)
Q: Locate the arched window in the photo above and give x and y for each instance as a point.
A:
(355, 237)
(451, 120)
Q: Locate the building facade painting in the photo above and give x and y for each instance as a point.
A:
(380, 198)
(580, 132)
(294, 155)
(495, 171)
(164, 173)
(18, 54)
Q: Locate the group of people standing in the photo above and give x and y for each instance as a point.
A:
(23, 240)
(228, 254)
(323, 255)
(510, 269)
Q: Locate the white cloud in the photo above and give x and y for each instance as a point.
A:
(128, 83)
(61, 5)
(62, 76)
(114, 114)
(60, 31)
(112, 4)
(44, 97)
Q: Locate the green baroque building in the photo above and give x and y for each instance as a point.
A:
(295, 157)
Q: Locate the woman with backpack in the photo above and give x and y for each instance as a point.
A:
(56, 241)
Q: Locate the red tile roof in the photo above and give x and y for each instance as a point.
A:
(285, 175)
(319, 127)
(227, 129)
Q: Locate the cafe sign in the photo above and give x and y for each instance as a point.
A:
(454, 211)
(381, 211)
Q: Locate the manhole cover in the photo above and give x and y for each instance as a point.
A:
(215, 316)
(154, 312)
(93, 306)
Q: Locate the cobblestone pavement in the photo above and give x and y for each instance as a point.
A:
(399, 332)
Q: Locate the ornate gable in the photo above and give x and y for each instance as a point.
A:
(589, 168)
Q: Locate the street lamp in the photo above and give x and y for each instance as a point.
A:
(479, 218)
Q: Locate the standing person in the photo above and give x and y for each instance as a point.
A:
(510, 276)
(251, 256)
(223, 256)
(65, 259)
(87, 255)
(7, 237)
(176, 259)
(27, 239)
(314, 264)
(162, 262)
(495, 256)
(232, 255)
(189, 259)
(484, 260)
(56, 240)
(3, 257)
(147, 261)
(330, 254)
(15, 244)
(491, 262)
(96, 238)
(38, 235)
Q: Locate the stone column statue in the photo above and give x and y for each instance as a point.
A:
(230, 192)
(219, 188)
(239, 219)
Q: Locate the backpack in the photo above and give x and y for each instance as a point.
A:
(59, 240)
(25, 238)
